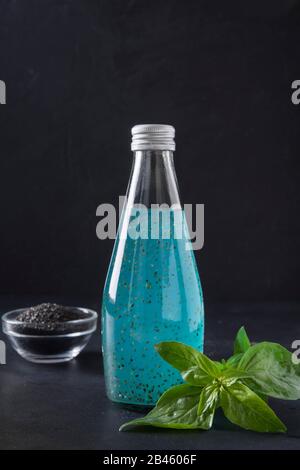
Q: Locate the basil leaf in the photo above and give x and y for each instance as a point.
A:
(177, 409)
(262, 396)
(196, 376)
(241, 342)
(271, 370)
(196, 368)
(234, 360)
(244, 408)
(207, 405)
(231, 375)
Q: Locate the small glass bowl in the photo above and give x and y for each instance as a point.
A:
(50, 347)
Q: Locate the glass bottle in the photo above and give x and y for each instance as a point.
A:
(152, 291)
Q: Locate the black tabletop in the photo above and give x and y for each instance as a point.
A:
(64, 406)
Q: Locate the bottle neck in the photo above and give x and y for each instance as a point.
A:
(153, 178)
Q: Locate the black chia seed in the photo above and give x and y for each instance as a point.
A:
(48, 317)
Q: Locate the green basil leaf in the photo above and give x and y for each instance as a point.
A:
(209, 399)
(241, 342)
(196, 368)
(262, 396)
(196, 376)
(234, 360)
(232, 375)
(244, 408)
(272, 371)
(177, 409)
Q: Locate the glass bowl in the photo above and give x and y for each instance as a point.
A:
(48, 347)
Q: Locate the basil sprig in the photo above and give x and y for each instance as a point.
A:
(240, 386)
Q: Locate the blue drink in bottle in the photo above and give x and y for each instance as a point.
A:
(152, 291)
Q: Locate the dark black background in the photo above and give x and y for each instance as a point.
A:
(80, 73)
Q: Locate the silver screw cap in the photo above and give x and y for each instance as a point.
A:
(153, 137)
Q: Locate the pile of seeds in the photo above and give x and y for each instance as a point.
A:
(47, 316)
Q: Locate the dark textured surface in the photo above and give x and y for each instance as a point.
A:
(64, 406)
(80, 73)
